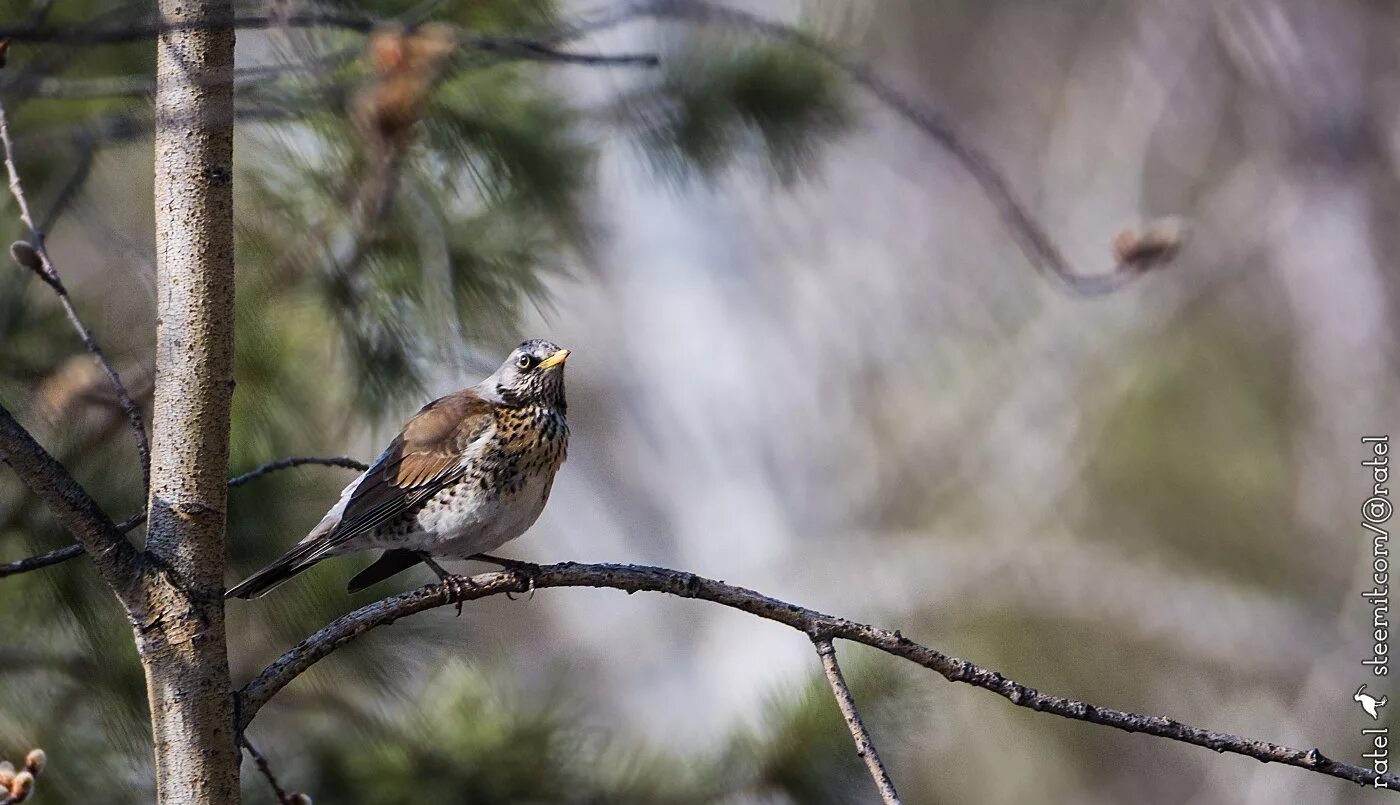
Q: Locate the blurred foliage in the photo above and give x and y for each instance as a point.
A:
(775, 100)
(1196, 421)
(342, 317)
(466, 739)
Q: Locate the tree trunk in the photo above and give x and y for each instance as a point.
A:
(182, 641)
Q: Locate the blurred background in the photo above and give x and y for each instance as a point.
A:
(809, 358)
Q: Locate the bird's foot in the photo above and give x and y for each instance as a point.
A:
(456, 585)
(525, 571)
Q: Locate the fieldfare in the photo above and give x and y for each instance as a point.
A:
(468, 473)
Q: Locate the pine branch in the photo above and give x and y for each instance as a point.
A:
(817, 625)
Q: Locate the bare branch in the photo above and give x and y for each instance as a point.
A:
(74, 551)
(35, 257)
(141, 85)
(637, 578)
(265, 768)
(41, 561)
(287, 463)
(530, 50)
(116, 559)
(1035, 243)
(506, 47)
(865, 747)
(127, 31)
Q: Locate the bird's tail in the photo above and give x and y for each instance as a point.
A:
(303, 555)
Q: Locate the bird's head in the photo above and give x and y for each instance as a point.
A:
(533, 374)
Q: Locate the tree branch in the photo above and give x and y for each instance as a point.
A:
(116, 559)
(865, 747)
(35, 257)
(636, 578)
(287, 463)
(41, 561)
(507, 47)
(127, 31)
(1134, 252)
(74, 551)
(265, 768)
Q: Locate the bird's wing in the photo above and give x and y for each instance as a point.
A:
(420, 462)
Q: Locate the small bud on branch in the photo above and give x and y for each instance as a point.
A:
(1153, 245)
(16, 787)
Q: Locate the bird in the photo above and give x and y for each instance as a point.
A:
(469, 472)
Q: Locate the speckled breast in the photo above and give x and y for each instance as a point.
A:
(529, 444)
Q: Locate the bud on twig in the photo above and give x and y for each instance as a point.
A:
(7, 773)
(21, 787)
(35, 761)
(27, 256)
(1153, 245)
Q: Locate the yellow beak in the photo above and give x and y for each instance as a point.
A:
(555, 359)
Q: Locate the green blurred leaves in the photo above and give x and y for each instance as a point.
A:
(716, 101)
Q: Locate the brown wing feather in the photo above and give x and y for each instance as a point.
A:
(421, 460)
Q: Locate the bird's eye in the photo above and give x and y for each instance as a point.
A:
(525, 361)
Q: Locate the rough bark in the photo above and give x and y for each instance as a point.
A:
(183, 645)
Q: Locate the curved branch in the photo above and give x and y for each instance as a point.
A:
(865, 747)
(817, 625)
(35, 257)
(287, 463)
(1134, 252)
(74, 551)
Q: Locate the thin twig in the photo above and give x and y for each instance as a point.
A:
(531, 50)
(636, 578)
(865, 747)
(1035, 243)
(287, 463)
(509, 47)
(41, 561)
(49, 275)
(74, 551)
(141, 85)
(283, 798)
(151, 27)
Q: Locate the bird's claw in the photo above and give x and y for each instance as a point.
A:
(457, 588)
(526, 572)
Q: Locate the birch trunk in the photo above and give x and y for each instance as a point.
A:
(182, 640)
